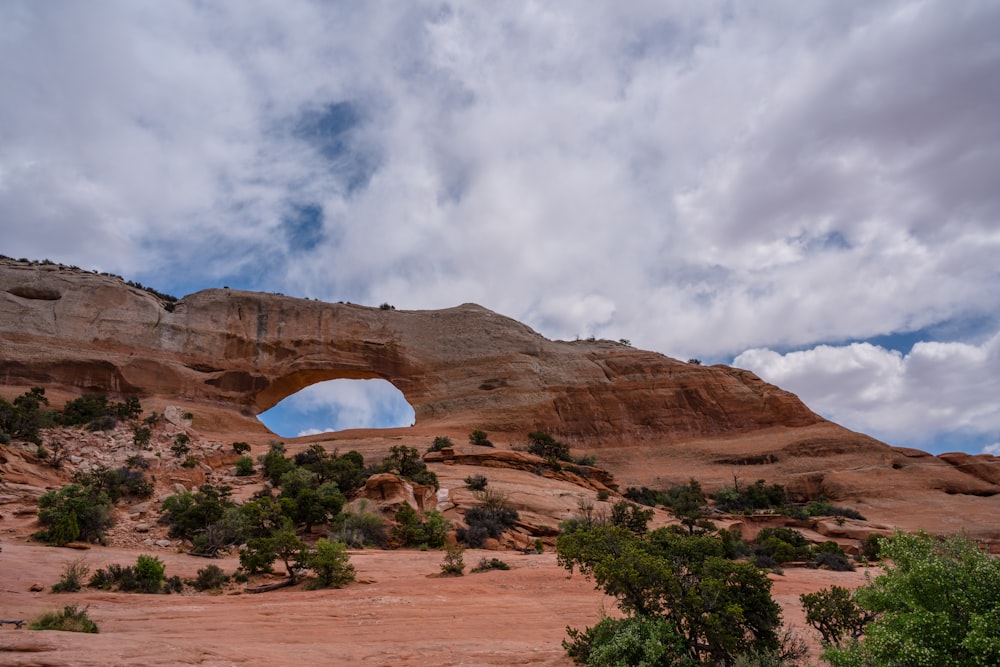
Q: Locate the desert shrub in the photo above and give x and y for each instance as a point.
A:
(189, 513)
(146, 576)
(361, 528)
(244, 466)
(141, 436)
(72, 577)
(831, 560)
(870, 546)
(707, 608)
(23, 417)
(544, 445)
(329, 561)
(936, 603)
(70, 619)
(647, 496)
(835, 613)
(491, 564)
(117, 483)
(406, 462)
(630, 516)
(756, 496)
(635, 640)
(453, 564)
(780, 545)
(274, 463)
(823, 507)
(73, 513)
(210, 578)
(490, 519)
(440, 442)
(412, 530)
(480, 438)
(241, 447)
(260, 553)
(476, 482)
(603, 495)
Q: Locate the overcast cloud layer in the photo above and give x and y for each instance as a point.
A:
(809, 190)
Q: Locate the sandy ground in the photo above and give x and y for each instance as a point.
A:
(400, 613)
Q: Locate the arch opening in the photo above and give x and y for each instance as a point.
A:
(339, 405)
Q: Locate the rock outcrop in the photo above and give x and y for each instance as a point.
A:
(649, 419)
(465, 366)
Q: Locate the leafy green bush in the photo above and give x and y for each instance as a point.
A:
(146, 576)
(936, 603)
(780, 545)
(274, 463)
(480, 438)
(647, 496)
(210, 578)
(244, 466)
(330, 563)
(117, 483)
(406, 462)
(411, 530)
(706, 608)
(835, 613)
(440, 442)
(181, 447)
(70, 619)
(630, 516)
(74, 513)
(23, 417)
(634, 640)
(757, 496)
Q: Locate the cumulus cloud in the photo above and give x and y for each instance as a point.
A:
(934, 390)
(700, 178)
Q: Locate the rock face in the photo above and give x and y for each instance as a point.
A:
(465, 366)
(649, 419)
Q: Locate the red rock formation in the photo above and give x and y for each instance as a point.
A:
(650, 419)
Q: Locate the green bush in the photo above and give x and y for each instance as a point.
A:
(634, 640)
(210, 578)
(413, 531)
(480, 438)
(406, 462)
(74, 513)
(244, 466)
(835, 613)
(453, 564)
(544, 445)
(23, 417)
(707, 609)
(180, 447)
(117, 483)
(329, 561)
(490, 519)
(146, 576)
(72, 577)
(241, 447)
(936, 603)
(70, 619)
(362, 528)
(440, 442)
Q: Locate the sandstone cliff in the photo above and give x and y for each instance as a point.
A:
(650, 419)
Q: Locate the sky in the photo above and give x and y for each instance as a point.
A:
(808, 190)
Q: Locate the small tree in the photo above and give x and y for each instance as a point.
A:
(330, 563)
(937, 603)
(544, 445)
(480, 438)
(835, 614)
(241, 447)
(73, 513)
(453, 564)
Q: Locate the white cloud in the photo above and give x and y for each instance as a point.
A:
(934, 390)
(700, 178)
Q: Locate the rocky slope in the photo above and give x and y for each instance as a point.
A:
(227, 355)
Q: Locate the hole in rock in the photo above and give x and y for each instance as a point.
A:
(338, 405)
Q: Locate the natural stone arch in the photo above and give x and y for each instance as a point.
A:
(337, 405)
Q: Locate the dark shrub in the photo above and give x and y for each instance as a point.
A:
(72, 577)
(491, 518)
(491, 564)
(476, 482)
(209, 578)
(544, 445)
(74, 513)
(480, 438)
